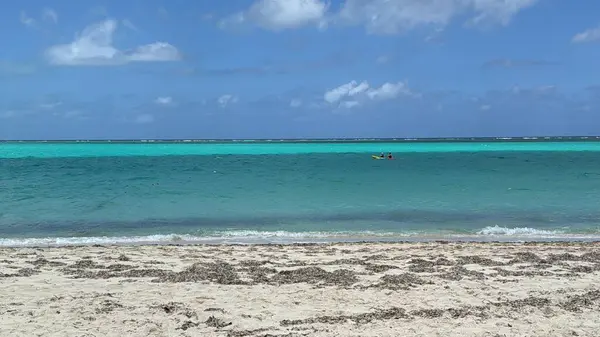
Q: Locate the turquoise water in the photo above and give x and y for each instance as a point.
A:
(281, 192)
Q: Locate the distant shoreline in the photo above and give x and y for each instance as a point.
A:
(327, 140)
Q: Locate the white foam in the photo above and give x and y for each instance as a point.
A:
(285, 237)
(520, 231)
(242, 236)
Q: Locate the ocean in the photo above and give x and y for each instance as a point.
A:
(281, 192)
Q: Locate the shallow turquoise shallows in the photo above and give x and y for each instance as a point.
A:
(59, 150)
(64, 193)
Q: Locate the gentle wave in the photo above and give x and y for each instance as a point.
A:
(521, 231)
(285, 237)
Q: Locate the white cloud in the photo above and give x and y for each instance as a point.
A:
(590, 35)
(345, 90)
(295, 103)
(227, 99)
(389, 91)
(49, 14)
(352, 93)
(397, 16)
(94, 46)
(26, 20)
(144, 119)
(485, 107)
(164, 100)
(281, 14)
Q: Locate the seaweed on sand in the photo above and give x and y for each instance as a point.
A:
(380, 314)
(315, 275)
(218, 272)
(403, 281)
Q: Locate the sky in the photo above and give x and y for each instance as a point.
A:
(298, 69)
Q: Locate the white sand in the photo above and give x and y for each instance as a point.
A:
(559, 296)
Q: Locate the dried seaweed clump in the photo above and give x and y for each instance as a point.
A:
(85, 264)
(120, 267)
(23, 272)
(576, 303)
(469, 310)
(591, 257)
(418, 265)
(315, 275)
(379, 268)
(525, 257)
(456, 273)
(428, 313)
(402, 281)
(123, 258)
(108, 306)
(520, 273)
(536, 302)
(218, 272)
(260, 274)
(245, 333)
(216, 322)
(482, 261)
(40, 262)
(378, 315)
(177, 308)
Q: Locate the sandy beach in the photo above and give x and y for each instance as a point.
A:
(364, 289)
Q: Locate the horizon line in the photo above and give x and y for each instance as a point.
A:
(332, 139)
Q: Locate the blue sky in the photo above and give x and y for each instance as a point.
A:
(299, 68)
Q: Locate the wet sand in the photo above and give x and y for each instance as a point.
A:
(361, 289)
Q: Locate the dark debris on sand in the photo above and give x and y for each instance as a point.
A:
(216, 322)
(123, 258)
(315, 275)
(108, 306)
(457, 273)
(573, 303)
(379, 268)
(42, 262)
(428, 313)
(245, 333)
(403, 281)
(482, 261)
(260, 274)
(187, 325)
(85, 264)
(480, 311)
(381, 314)
(218, 272)
(576, 303)
(419, 265)
(176, 308)
(351, 261)
(23, 272)
(520, 273)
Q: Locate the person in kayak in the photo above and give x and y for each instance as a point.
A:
(389, 156)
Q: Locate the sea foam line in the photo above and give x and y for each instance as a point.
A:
(521, 231)
(252, 236)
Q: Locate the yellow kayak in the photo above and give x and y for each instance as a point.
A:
(377, 157)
